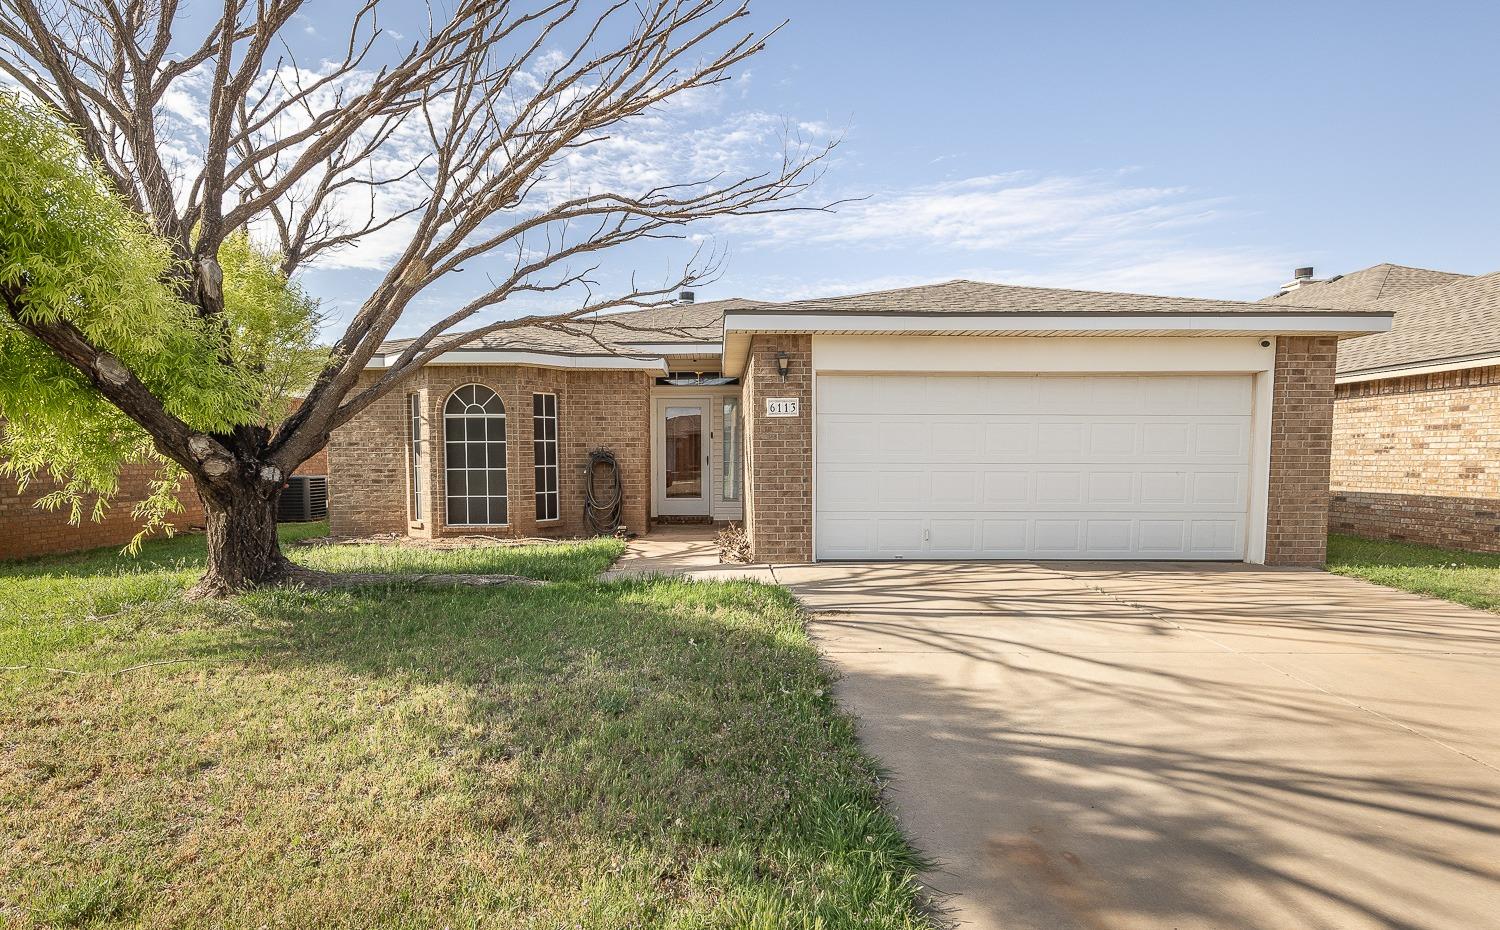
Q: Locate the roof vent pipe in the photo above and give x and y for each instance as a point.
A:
(685, 297)
(1301, 277)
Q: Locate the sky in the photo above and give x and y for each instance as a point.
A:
(1191, 148)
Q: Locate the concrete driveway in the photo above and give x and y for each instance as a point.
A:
(1177, 746)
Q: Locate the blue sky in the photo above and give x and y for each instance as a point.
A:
(1177, 148)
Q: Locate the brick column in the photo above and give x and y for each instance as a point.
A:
(1301, 443)
(778, 452)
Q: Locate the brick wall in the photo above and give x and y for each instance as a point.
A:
(778, 452)
(369, 483)
(1418, 459)
(367, 467)
(27, 530)
(1301, 440)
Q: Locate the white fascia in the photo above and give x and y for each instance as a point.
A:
(738, 327)
(1430, 368)
(535, 359)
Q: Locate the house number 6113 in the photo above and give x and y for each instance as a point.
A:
(783, 407)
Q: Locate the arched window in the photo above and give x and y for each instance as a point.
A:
(474, 456)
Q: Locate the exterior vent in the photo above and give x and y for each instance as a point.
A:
(686, 297)
(1301, 274)
(304, 500)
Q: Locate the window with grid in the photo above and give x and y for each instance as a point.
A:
(474, 457)
(544, 446)
(418, 476)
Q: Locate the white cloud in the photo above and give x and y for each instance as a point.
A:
(1016, 210)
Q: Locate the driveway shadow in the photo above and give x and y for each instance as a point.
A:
(1167, 746)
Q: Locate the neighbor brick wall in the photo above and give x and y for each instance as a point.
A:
(369, 484)
(1301, 440)
(27, 530)
(778, 452)
(1418, 459)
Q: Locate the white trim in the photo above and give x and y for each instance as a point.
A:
(536, 359)
(1262, 405)
(1478, 361)
(1064, 322)
(739, 326)
(702, 505)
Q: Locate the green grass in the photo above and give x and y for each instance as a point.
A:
(1471, 578)
(649, 753)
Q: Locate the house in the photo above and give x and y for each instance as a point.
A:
(1416, 435)
(955, 421)
(27, 530)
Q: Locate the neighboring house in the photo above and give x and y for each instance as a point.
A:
(1416, 441)
(961, 420)
(28, 530)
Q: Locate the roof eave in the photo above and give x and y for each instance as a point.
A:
(740, 326)
(643, 362)
(1427, 367)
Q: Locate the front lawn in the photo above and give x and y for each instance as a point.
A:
(1471, 578)
(650, 753)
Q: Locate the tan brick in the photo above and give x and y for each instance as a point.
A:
(1405, 467)
(369, 482)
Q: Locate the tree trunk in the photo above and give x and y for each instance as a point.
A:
(243, 550)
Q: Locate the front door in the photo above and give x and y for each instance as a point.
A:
(682, 477)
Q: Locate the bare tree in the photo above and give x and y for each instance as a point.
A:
(498, 96)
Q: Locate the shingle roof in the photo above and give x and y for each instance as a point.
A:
(1447, 322)
(981, 297)
(1440, 315)
(698, 323)
(1360, 289)
(605, 334)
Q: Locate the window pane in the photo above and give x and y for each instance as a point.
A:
(475, 456)
(544, 454)
(730, 458)
(684, 463)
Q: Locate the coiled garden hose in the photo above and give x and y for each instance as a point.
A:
(602, 514)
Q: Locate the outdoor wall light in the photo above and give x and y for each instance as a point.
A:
(783, 364)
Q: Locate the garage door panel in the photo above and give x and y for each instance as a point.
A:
(1060, 441)
(1006, 487)
(1112, 536)
(1008, 439)
(1066, 467)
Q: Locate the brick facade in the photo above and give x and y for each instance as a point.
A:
(28, 530)
(369, 458)
(1418, 459)
(778, 452)
(1301, 440)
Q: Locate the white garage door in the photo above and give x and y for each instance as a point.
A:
(1032, 467)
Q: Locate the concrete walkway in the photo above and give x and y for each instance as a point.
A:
(688, 550)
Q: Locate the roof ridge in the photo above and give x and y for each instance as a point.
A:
(1383, 279)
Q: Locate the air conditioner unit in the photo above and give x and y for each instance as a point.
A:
(304, 500)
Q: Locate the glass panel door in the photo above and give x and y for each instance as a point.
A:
(684, 453)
